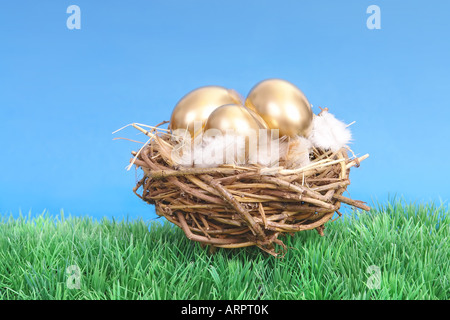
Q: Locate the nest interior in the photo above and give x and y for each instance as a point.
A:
(238, 206)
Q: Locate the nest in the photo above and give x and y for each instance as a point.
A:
(233, 206)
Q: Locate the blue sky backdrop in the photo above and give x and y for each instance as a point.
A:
(63, 92)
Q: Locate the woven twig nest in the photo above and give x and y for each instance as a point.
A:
(238, 206)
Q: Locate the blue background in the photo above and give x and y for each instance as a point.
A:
(63, 92)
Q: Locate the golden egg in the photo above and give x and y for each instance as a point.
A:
(237, 118)
(282, 105)
(198, 104)
(240, 122)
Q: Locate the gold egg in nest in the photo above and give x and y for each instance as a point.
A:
(235, 117)
(283, 106)
(238, 121)
(198, 104)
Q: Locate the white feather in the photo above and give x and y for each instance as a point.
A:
(212, 151)
(328, 133)
(298, 153)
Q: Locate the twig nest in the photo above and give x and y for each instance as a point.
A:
(233, 206)
(204, 174)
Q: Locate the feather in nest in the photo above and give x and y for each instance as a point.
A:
(327, 133)
(211, 151)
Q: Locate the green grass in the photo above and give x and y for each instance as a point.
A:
(410, 244)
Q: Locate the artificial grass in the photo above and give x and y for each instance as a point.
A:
(408, 244)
